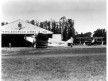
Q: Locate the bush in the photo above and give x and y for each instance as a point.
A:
(41, 41)
(42, 37)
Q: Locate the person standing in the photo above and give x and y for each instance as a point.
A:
(9, 45)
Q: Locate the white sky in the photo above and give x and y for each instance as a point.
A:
(87, 14)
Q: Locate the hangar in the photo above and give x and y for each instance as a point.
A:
(14, 33)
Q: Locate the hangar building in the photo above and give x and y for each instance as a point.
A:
(13, 33)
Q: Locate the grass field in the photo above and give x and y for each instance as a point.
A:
(18, 67)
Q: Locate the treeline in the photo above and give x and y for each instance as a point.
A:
(64, 26)
(96, 34)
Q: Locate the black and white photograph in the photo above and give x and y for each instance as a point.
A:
(53, 40)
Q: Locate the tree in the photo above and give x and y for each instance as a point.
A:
(41, 41)
(41, 37)
(71, 28)
(64, 35)
(67, 28)
(99, 33)
(37, 23)
(48, 23)
(63, 18)
(87, 34)
(2, 23)
(6, 22)
(53, 27)
(41, 25)
(32, 22)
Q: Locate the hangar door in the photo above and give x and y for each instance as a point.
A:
(16, 40)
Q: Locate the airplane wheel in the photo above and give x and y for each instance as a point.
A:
(34, 45)
(71, 45)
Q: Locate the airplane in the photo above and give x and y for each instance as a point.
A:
(51, 42)
(55, 42)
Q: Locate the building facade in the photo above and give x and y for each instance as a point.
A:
(13, 34)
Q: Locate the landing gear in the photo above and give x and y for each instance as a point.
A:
(34, 45)
(71, 45)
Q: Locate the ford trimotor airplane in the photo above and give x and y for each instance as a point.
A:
(54, 42)
(51, 41)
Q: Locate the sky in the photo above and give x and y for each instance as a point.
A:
(88, 15)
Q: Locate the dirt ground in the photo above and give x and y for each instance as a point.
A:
(72, 64)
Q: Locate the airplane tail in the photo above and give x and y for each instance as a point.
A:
(70, 40)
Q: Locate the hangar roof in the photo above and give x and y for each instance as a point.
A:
(22, 27)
